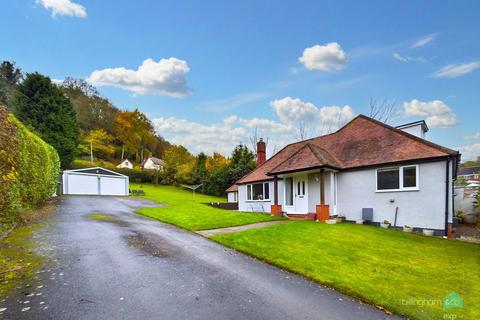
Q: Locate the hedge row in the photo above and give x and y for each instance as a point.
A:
(29, 168)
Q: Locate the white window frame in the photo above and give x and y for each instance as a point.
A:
(263, 191)
(401, 187)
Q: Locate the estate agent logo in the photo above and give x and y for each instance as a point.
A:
(452, 300)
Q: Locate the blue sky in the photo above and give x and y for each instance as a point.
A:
(230, 67)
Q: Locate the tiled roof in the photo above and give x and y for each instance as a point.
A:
(467, 170)
(308, 156)
(232, 188)
(361, 142)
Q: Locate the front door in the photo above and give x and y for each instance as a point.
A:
(301, 194)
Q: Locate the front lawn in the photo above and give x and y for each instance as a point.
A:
(405, 273)
(183, 211)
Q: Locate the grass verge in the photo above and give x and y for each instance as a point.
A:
(193, 214)
(406, 273)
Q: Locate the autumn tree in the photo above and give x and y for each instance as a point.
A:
(135, 132)
(215, 161)
(179, 164)
(92, 110)
(126, 133)
(100, 142)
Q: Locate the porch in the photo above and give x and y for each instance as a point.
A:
(306, 195)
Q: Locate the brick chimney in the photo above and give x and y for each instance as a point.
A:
(261, 152)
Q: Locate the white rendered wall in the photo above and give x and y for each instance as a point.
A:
(424, 208)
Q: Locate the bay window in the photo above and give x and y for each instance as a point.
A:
(258, 191)
(401, 178)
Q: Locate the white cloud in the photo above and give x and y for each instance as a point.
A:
(456, 70)
(424, 41)
(436, 112)
(399, 57)
(295, 111)
(233, 102)
(403, 58)
(165, 78)
(329, 57)
(475, 136)
(224, 136)
(64, 8)
(470, 152)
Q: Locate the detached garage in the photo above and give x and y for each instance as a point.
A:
(95, 181)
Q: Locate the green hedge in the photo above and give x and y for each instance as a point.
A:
(31, 176)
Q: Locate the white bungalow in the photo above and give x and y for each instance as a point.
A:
(366, 170)
(125, 164)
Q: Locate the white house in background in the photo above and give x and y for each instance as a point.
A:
(153, 163)
(232, 194)
(125, 164)
(468, 173)
(364, 167)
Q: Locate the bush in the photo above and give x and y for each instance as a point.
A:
(30, 171)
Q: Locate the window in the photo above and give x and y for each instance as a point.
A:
(289, 191)
(397, 178)
(258, 191)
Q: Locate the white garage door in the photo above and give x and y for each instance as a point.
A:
(95, 181)
(82, 184)
(112, 186)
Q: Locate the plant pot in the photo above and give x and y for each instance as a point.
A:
(408, 229)
(385, 225)
(331, 221)
(428, 232)
(360, 221)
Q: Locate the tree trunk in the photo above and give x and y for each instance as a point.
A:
(123, 151)
(91, 151)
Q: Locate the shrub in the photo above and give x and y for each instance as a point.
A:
(8, 158)
(30, 171)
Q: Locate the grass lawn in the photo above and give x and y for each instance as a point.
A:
(405, 273)
(183, 211)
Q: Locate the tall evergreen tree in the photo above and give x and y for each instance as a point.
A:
(10, 75)
(42, 105)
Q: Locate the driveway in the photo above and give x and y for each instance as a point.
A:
(126, 266)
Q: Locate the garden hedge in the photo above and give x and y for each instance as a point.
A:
(29, 168)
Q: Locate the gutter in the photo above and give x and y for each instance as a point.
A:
(447, 188)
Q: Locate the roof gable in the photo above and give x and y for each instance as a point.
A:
(307, 157)
(96, 170)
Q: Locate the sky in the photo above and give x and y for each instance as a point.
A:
(211, 73)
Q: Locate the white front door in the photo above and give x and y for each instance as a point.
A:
(300, 184)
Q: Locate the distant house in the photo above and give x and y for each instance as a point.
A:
(366, 170)
(232, 194)
(469, 173)
(153, 163)
(125, 164)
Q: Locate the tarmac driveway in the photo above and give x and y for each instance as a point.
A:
(126, 266)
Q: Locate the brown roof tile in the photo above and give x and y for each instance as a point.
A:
(232, 188)
(308, 156)
(361, 142)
